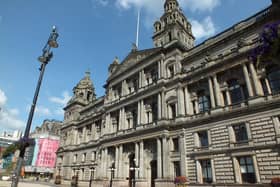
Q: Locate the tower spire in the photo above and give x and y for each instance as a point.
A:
(173, 27)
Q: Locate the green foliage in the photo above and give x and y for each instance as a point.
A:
(10, 150)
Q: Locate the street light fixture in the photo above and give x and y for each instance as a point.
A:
(112, 170)
(25, 141)
(134, 168)
(92, 170)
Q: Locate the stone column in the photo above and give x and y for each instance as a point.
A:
(117, 162)
(159, 159)
(120, 120)
(144, 82)
(106, 162)
(218, 91)
(212, 97)
(163, 105)
(247, 80)
(159, 106)
(236, 170)
(137, 156)
(188, 103)
(256, 81)
(182, 150)
(159, 70)
(198, 171)
(228, 97)
(181, 102)
(84, 135)
(121, 161)
(213, 171)
(163, 70)
(268, 86)
(143, 119)
(141, 160)
(140, 79)
(165, 158)
(196, 106)
(258, 179)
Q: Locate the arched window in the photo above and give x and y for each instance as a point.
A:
(235, 91)
(203, 101)
(273, 75)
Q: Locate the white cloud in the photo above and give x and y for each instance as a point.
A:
(42, 111)
(101, 2)
(203, 29)
(9, 117)
(199, 5)
(61, 101)
(3, 98)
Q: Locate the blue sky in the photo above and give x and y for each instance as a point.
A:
(92, 33)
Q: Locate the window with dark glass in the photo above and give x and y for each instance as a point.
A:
(206, 171)
(171, 70)
(240, 132)
(203, 102)
(264, 86)
(134, 116)
(247, 169)
(177, 171)
(154, 111)
(203, 138)
(175, 144)
(274, 79)
(235, 91)
(173, 110)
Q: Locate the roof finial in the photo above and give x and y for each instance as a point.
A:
(87, 73)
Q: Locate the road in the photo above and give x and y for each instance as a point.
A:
(28, 184)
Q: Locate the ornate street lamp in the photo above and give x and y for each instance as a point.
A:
(134, 168)
(92, 170)
(112, 170)
(25, 141)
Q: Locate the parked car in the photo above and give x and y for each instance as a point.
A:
(6, 178)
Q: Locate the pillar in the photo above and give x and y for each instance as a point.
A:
(182, 150)
(181, 102)
(141, 159)
(165, 158)
(212, 97)
(117, 161)
(164, 106)
(121, 161)
(159, 159)
(257, 84)
(159, 70)
(268, 86)
(228, 97)
(159, 106)
(247, 80)
(237, 171)
(198, 171)
(188, 103)
(218, 92)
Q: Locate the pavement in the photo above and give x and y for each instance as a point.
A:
(30, 184)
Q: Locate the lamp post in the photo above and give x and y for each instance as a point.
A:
(134, 168)
(92, 170)
(25, 141)
(112, 170)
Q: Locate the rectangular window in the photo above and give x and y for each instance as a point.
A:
(75, 158)
(84, 157)
(175, 144)
(177, 171)
(240, 132)
(247, 169)
(173, 110)
(206, 171)
(203, 139)
(171, 71)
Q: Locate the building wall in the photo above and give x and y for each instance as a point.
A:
(209, 114)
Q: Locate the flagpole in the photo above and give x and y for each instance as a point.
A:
(138, 26)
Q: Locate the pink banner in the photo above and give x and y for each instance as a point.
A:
(47, 153)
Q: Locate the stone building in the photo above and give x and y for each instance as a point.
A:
(205, 112)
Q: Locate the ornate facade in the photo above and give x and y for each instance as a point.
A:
(205, 112)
